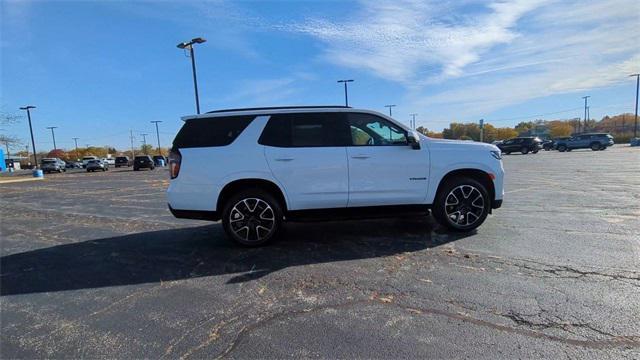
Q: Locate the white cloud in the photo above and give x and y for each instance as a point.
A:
(480, 57)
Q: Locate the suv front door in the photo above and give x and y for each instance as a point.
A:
(383, 168)
(306, 153)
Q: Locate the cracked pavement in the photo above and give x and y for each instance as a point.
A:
(94, 266)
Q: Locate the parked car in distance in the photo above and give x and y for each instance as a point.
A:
(86, 159)
(523, 145)
(547, 145)
(143, 162)
(73, 165)
(49, 165)
(496, 142)
(109, 160)
(593, 141)
(333, 162)
(157, 158)
(97, 165)
(123, 161)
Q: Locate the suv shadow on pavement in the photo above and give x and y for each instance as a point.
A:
(177, 254)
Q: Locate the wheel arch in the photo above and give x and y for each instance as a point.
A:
(256, 183)
(477, 174)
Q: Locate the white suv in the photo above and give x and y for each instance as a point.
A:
(254, 168)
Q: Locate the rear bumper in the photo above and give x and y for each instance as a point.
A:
(195, 214)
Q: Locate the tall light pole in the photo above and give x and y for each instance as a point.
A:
(158, 135)
(481, 130)
(33, 142)
(585, 112)
(346, 96)
(390, 106)
(144, 142)
(189, 45)
(75, 139)
(635, 127)
(53, 135)
(413, 121)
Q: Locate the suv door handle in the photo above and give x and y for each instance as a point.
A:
(283, 159)
(360, 157)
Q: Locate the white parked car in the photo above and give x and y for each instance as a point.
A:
(86, 159)
(110, 161)
(254, 168)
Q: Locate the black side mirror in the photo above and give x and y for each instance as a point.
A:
(413, 141)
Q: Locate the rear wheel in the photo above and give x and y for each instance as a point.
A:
(252, 217)
(595, 146)
(562, 148)
(462, 204)
(524, 150)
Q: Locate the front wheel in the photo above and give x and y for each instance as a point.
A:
(562, 148)
(595, 146)
(252, 217)
(462, 204)
(524, 150)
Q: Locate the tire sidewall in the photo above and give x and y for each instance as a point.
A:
(439, 210)
(524, 150)
(257, 194)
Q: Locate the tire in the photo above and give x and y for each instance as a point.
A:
(535, 151)
(444, 208)
(507, 153)
(257, 209)
(524, 150)
(562, 148)
(596, 146)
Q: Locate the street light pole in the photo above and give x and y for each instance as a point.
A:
(144, 142)
(53, 135)
(189, 45)
(33, 142)
(389, 106)
(585, 112)
(346, 96)
(75, 139)
(635, 127)
(158, 136)
(413, 121)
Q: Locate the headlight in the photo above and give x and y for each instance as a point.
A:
(496, 154)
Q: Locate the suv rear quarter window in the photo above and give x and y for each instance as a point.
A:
(209, 132)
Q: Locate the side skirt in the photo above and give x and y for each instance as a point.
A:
(364, 212)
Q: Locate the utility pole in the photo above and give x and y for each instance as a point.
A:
(33, 142)
(53, 135)
(158, 136)
(413, 121)
(585, 112)
(75, 139)
(133, 152)
(346, 96)
(189, 45)
(481, 130)
(389, 106)
(144, 142)
(6, 143)
(635, 127)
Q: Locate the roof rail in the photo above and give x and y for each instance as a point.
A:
(279, 108)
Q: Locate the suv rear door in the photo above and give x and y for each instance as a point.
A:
(383, 168)
(306, 153)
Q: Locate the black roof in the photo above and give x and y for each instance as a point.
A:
(279, 108)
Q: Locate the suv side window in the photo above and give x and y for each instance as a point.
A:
(305, 130)
(371, 130)
(208, 132)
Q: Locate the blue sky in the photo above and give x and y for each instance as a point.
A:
(98, 69)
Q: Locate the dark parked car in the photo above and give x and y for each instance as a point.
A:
(123, 161)
(97, 165)
(73, 165)
(143, 162)
(521, 144)
(595, 142)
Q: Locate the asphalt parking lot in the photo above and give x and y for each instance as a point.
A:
(94, 266)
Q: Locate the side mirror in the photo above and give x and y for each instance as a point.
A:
(413, 140)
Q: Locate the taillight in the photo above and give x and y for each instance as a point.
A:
(174, 163)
